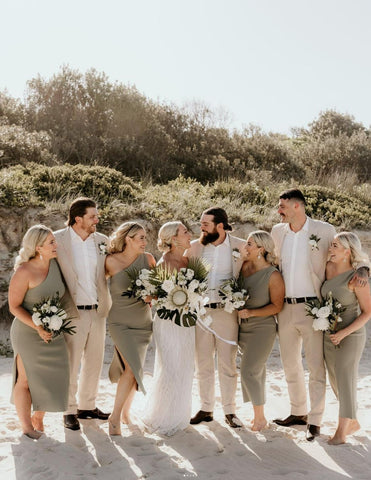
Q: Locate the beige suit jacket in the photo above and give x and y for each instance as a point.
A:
(197, 249)
(66, 263)
(317, 257)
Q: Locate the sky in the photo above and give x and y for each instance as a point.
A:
(272, 63)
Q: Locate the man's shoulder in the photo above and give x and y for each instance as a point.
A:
(100, 236)
(235, 240)
(278, 227)
(320, 224)
(60, 232)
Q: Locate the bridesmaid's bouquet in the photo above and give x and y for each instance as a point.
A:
(233, 295)
(53, 318)
(179, 295)
(140, 284)
(326, 313)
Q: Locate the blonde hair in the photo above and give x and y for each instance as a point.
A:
(118, 238)
(264, 239)
(33, 238)
(351, 241)
(165, 234)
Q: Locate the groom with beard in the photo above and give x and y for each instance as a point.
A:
(220, 250)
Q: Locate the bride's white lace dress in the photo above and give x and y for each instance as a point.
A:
(169, 404)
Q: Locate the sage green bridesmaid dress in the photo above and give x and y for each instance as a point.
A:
(342, 363)
(256, 338)
(46, 364)
(130, 326)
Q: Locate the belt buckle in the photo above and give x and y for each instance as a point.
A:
(293, 301)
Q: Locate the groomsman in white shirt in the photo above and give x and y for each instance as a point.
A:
(302, 249)
(216, 246)
(81, 256)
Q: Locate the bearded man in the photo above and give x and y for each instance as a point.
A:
(220, 250)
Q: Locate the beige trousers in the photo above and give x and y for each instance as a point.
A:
(85, 348)
(295, 331)
(207, 345)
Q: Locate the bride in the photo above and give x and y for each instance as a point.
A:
(168, 408)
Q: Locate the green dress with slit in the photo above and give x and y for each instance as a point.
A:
(130, 326)
(256, 337)
(46, 364)
(342, 363)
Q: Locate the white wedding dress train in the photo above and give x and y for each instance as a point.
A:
(169, 404)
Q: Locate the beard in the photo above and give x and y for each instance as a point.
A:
(207, 238)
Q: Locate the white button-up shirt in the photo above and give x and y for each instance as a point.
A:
(84, 254)
(220, 259)
(295, 263)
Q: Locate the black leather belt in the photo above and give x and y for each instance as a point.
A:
(87, 307)
(214, 305)
(293, 301)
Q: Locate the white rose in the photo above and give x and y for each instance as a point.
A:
(138, 282)
(167, 286)
(55, 323)
(314, 310)
(320, 324)
(236, 254)
(36, 318)
(193, 285)
(312, 243)
(324, 312)
(190, 274)
(54, 309)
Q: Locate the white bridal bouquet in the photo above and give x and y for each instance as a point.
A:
(53, 318)
(233, 295)
(326, 313)
(176, 295)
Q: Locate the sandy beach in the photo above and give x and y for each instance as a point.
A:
(207, 451)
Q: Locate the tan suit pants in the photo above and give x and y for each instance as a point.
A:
(295, 331)
(85, 348)
(207, 345)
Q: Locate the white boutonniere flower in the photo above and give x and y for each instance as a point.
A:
(236, 254)
(313, 242)
(102, 246)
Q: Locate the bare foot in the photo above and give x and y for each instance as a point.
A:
(37, 423)
(258, 425)
(335, 440)
(34, 434)
(353, 427)
(114, 428)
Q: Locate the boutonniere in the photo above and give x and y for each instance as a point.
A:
(313, 242)
(102, 246)
(236, 254)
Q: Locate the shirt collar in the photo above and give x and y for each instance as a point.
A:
(76, 238)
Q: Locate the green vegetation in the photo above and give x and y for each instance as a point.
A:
(122, 198)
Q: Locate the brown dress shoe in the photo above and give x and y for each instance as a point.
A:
(312, 432)
(202, 416)
(71, 422)
(291, 420)
(233, 421)
(96, 413)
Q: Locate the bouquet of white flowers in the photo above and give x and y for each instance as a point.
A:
(326, 313)
(233, 295)
(53, 318)
(142, 284)
(179, 294)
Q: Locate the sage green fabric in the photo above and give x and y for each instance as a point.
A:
(46, 364)
(130, 326)
(256, 338)
(342, 363)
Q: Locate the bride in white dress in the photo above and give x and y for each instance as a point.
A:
(168, 408)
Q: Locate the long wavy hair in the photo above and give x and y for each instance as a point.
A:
(33, 238)
(264, 239)
(118, 239)
(357, 255)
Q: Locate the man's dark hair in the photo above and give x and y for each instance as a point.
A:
(220, 216)
(78, 209)
(293, 194)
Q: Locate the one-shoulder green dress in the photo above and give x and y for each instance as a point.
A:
(130, 326)
(256, 337)
(342, 363)
(46, 364)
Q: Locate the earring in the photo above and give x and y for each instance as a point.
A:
(259, 256)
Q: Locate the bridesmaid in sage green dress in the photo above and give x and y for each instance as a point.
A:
(257, 332)
(342, 363)
(129, 320)
(40, 370)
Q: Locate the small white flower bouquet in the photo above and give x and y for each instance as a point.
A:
(233, 295)
(326, 313)
(53, 318)
(141, 286)
(236, 254)
(103, 250)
